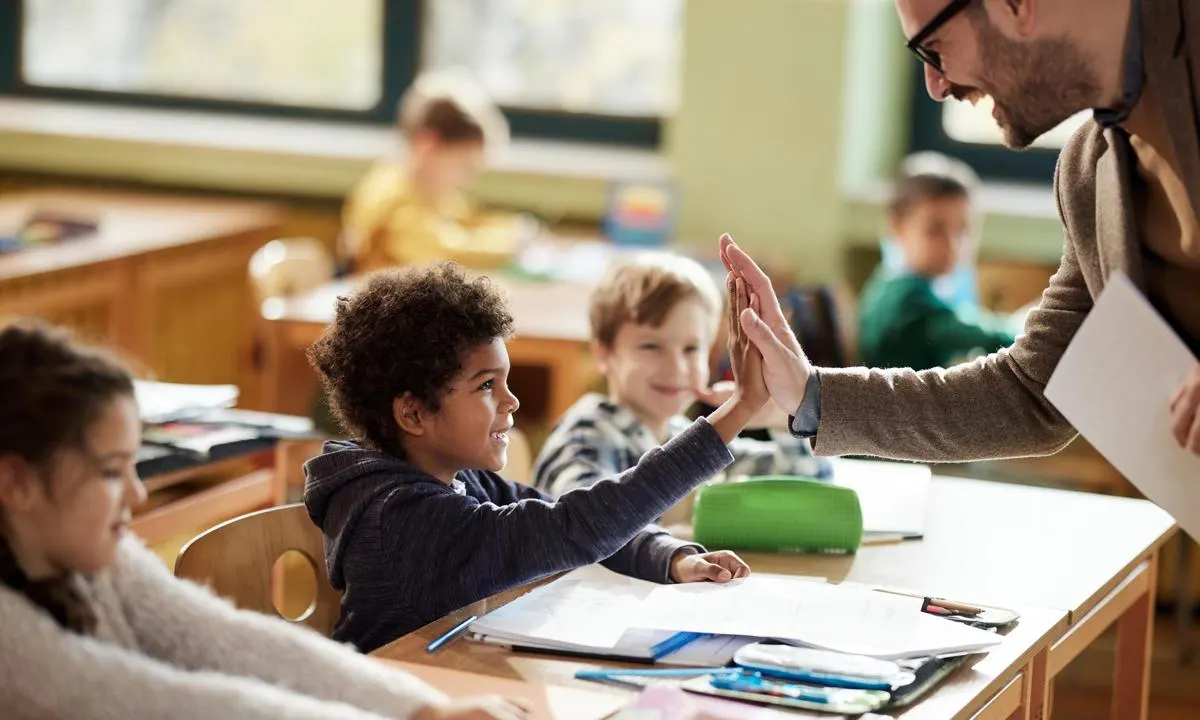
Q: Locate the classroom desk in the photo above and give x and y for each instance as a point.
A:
(550, 324)
(163, 279)
(1072, 563)
(195, 498)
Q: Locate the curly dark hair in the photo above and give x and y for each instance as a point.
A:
(404, 330)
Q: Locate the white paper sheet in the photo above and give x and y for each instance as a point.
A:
(160, 402)
(845, 618)
(592, 609)
(893, 495)
(1114, 384)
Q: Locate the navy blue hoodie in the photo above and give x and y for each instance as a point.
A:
(406, 549)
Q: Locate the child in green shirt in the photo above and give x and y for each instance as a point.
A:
(902, 320)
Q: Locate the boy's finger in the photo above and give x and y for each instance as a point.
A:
(714, 572)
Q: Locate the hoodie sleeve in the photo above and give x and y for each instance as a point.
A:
(646, 556)
(470, 550)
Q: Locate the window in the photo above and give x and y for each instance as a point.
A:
(321, 54)
(969, 133)
(569, 69)
(616, 57)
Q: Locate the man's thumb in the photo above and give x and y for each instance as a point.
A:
(771, 347)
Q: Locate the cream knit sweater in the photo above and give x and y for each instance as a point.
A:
(167, 648)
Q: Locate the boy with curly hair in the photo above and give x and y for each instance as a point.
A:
(416, 520)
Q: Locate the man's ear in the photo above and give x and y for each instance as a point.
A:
(410, 415)
(19, 483)
(1023, 14)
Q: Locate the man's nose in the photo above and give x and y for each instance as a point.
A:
(936, 83)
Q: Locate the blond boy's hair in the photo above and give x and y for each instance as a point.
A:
(645, 289)
(449, 104)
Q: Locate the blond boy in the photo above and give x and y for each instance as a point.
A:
(654, 320)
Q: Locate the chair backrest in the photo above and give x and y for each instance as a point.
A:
(519, 467)
(289, 266)
(815, 313)
(237, 559)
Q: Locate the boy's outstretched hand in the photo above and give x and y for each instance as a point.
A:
(721, 567)
(750, 395)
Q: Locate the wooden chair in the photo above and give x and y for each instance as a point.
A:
(237, 559)
(289, 266)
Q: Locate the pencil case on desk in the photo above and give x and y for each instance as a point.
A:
(904, 681)
(778, 514)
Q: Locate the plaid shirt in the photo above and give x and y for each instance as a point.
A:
(597, 439)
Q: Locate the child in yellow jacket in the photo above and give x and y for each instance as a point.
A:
(416, 211)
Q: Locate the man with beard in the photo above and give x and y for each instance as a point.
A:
(1127, 186)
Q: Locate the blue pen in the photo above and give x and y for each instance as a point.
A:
(674, 644)
(450, 634)
(756, 684)
(672, 672)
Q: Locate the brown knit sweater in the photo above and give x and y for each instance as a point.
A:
(995, 407)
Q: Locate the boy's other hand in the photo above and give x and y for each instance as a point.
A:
(719, 567)
(785, 366)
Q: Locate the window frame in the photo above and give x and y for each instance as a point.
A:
(991, 162)
(402, 30)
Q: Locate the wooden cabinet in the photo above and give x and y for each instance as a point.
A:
(163, 280)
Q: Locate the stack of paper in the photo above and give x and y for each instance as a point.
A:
(844, 618)
(160, 402)
(589, 611)
(596, 611)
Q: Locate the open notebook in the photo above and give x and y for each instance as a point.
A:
(596, 611)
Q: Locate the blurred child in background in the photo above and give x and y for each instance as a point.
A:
(919, 310)
(415, 210)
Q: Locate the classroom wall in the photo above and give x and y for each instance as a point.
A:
(755, 145)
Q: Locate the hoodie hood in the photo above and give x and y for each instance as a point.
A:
(340, 485)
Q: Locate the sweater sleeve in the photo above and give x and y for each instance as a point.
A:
(471, 550)
(954, 336)
(186, 625)
(47, 672)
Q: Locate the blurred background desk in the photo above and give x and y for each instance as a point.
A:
(161, 279)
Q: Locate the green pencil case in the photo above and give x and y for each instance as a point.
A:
(778, 514)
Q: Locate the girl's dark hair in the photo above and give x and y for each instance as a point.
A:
(54, 389)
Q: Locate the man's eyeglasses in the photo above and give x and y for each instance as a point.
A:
(932, 57)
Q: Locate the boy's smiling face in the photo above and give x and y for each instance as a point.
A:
(470, 428)
(654, 371)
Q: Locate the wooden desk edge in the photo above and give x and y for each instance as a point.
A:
(1106, 589)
